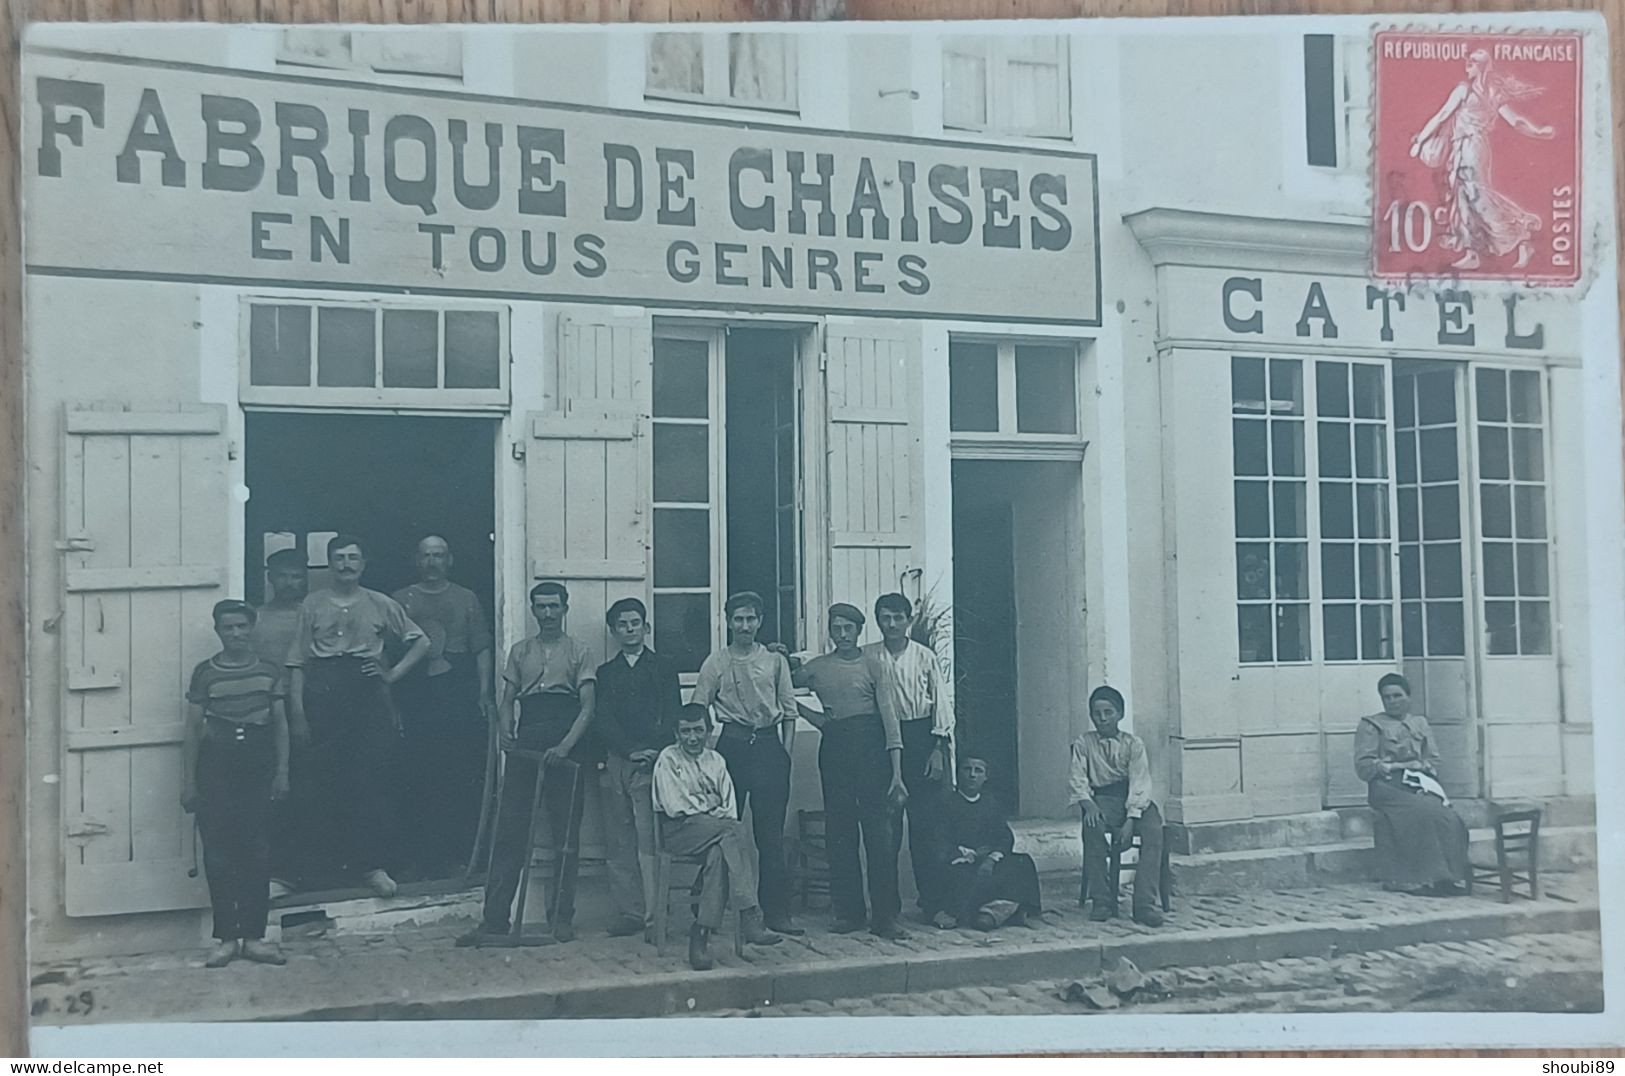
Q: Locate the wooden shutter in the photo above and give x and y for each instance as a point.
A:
(872, 378)
(144, 518)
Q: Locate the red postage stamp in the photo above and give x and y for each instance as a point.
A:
(1477, 157)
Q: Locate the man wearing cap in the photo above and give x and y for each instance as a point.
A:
(860, 766)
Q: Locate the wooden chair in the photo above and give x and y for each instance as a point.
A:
(665, 885)
(1517, 837)
(811, 857)
(1115, 867)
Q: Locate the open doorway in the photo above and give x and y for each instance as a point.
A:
(390, 480)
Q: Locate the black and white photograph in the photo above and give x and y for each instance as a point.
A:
(869, 527)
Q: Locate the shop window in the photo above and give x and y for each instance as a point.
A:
(1009, 389)
(374, 354)
(1007, 85)
(1271, 503)
(425, 53)
(747, 70)
(1431, 581)
(1516, 566)
(1336, 101)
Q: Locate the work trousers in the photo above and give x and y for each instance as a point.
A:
(234, 770)
(629, 821)
(727, 870)
(443, 771)
(855, 772)
(351, 759)
(1147, 874)
(760, 769)
(924, 799)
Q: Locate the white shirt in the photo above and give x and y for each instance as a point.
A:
(685, 785)
(914, 681)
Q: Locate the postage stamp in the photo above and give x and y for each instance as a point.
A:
(1477, 162)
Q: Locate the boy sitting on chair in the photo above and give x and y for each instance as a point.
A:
(986, 883)
(694, 798)
(1111, 779)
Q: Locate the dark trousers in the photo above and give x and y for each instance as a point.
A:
(971, 886)
(1148, 873)
(443, 771)
(544, 721)
(292, 822)
(353, 742)
(234, 770)
(924, 797)
(855, 772)
(760, 769)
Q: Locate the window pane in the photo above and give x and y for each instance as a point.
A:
(1046, 390)
(676, 63)
(345, 349)
(1291, 515)
(1336, 457)
(1252, 510)
(1528, 455)
(1532, 570)
(1409, 530)
(473, 349)
(1332, 389)
(1034, 95)
(1437, 449)
(1410, 571)
(682, 465)
(1525, 396)
(1256, 633)
(682, 547)
(682, 379)
(1405, 457)
(410, 358)
(1368, 397)
(1405, 402)
(1336, 510)
(1320, 99)
(1411, 620)
(1292, 570)
(1336, 570)
(1441, 513)
(1252, 570)
(1531, 514)
(1443, 570)
(1376, 632)
(278, 345)
(1492, 395)
(1251, 453)
(1436, 399)
(1286, 387)
(964, 88)
(1535, 627)
(1493, 459)
(1498, 580)
(759, 69)
(1501, 621)
(1371, 508)
(1447, 632)
(1375, 579)
(1341, 641)
(1247, 386)
(682, 629)
(1292, 632)
(1495, 502)
(1288, 443)
(1371, 451)
(973, 388)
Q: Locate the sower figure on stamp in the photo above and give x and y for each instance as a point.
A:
(1111, 780)
(986, 883)
(446, 709)
(276, 624)
(236, 762)
(552, 679)
(749, 687)
(339, 681)
(860, 767)
(638, 698)
(925, 715)
(694, 797)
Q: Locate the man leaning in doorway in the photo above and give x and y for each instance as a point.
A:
(276, 625)
(445, 713)
(748, 687)
(339, 684)
(638, 699)
(925, 717)
(1111, 780)
(552, 679)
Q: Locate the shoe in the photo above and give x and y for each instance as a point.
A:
(944, 921)
(699, 951)
(1148, 917)
(889, 931)
(846, 926)
(564, 932)
(1099, 913)
(984, 920)
(625, 927)
(280, 889)
(782, 925)
(223, 954)
(380, 883)
(750, 928)
(480, 937)
(263, 952)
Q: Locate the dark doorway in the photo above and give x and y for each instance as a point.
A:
(985, 637)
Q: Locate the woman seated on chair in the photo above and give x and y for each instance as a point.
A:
(1421, 843)
(986, 883)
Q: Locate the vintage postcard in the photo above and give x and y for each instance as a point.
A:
(893, 528)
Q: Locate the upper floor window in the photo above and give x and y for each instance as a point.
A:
(1007, 85)
(1007, 388)
(429, 53)
(1337, 101)
(747, 70)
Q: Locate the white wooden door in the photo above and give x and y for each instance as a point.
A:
(144, 522)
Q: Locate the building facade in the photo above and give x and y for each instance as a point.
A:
(819, 314)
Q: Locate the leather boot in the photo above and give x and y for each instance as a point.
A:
(699, 952)
(750, 925)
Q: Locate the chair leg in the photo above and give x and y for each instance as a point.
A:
(1166, 877)
(1534, 862)
(1506, 868)
(663, 896)
(739, 935)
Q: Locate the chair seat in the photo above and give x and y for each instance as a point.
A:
(1517, 851)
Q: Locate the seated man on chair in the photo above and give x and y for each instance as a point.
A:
(985, 882)
(1111, 779)
(694, 801)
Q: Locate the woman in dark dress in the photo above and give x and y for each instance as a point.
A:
(1421, 843)
(986, 882)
